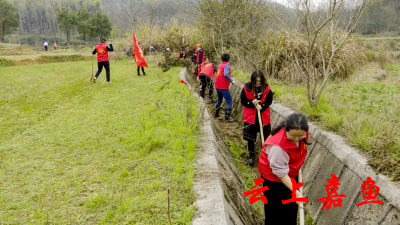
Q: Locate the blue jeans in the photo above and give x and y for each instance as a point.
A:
(222, 93)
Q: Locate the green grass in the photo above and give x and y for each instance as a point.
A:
(394, 69)
(65, 50)
(363, 111)
(247, 173)
(76, 152)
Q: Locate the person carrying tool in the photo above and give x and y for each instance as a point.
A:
(206, 78)
(281, 158)
(256, 96)
(102, 59)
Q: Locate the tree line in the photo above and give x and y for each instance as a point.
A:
(95, 25)
(50, 17)
(383, 16)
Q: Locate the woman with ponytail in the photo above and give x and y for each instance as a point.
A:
(281, 158)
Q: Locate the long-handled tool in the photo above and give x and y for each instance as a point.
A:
(261, 126)
(301, 203)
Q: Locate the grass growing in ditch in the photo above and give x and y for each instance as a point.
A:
(363, 111)
(77, 152)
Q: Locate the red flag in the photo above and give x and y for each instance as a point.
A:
(138, 53)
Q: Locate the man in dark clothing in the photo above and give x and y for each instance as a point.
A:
(102, 59)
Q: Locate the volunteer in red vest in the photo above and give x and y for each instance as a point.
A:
(200, 57)
(182, 54)
(222, 84)
(202, 65)
(206, 78)
(102, 59)
(256, 95)
(282, 156)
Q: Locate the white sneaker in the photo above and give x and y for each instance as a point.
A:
(94, 79)
(108, 82)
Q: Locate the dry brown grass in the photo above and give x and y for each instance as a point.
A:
(285, 53)
(10, 50)
(43, 60)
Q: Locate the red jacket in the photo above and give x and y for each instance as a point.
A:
(297, 155)
(208, 70)
(249, 114)
(102, 52)
(221, 82)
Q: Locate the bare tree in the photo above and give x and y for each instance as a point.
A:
(319, 23)
(236, 27)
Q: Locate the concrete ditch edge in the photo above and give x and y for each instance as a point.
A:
(207, 182)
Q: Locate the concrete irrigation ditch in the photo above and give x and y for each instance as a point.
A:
(219, 187)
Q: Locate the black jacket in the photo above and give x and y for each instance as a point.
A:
(249, 103)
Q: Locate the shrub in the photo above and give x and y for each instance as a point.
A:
(282, 50)
(169, 62)
(370, 55)
(5, 62)
(382, 55)
(393, 45)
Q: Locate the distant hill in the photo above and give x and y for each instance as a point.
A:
(127, 14)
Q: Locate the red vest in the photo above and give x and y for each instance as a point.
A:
(221, 82)
(297, 155)
(249, 114)
(198, 55)
(202, 65)
(182, 54)
(208, 70)
(102, 53)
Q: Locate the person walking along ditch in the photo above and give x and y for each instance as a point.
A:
(222, 84)
(206, 78)
(256, 95)
(102, 59)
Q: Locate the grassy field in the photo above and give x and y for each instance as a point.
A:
(19, 52)
(365, 111)
(74, 152)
